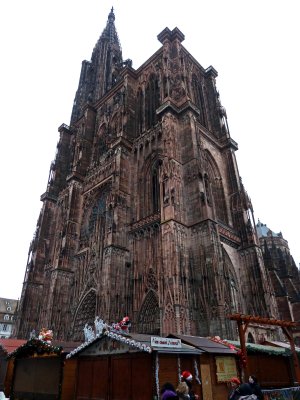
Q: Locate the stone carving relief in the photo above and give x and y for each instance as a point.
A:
(151, 281)
(113, 250)
(184, 320)
(177, 87)
(169, 176)
(222, 115)
(193, 171)
(169, 127)
(174, 82)
(169, 312)
(180, 229)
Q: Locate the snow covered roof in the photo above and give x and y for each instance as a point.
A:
(136, 341)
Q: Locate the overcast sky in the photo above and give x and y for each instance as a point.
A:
(254, 46)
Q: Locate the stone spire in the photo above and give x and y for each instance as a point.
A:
(101, 73)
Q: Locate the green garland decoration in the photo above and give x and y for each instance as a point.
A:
(260, 348)
(35, 346)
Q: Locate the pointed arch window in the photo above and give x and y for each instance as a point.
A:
(250, 338)
(215, 191)
(149, 320)
(98, 212)
(155, 193)
(108, 70)
(219, 200)
(140, 112)
(85, 314)
(207, 189)
(100, 144)
(233, 294)
(199, 100)
(152, 101)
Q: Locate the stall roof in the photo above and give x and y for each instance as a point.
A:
(185, 348)
(280, 344)
(138, 341)
(260, 348)
(9, 345)
(67, 347)
(205, 344)
(31, 346)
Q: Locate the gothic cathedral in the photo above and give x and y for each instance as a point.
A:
(145, 214)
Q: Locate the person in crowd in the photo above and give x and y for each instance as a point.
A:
(238, 389)
(255, 387)
(168, 392)
(187, 377)
(183, 391)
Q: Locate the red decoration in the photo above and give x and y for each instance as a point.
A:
(123, 325)
(242, 358)
(46, 335)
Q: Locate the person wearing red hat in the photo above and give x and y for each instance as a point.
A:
(235, 380)
(187, 377)
(238, 389)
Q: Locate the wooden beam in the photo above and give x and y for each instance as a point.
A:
(262, 320)
(242, 330)
(289, 335)
(244, 320)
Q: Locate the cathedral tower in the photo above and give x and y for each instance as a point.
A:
(145, 213)
(283, 272)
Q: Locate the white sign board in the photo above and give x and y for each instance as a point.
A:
(165, 342)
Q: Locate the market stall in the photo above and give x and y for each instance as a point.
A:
(132, 366)
(219, 363)
(270, 364)
(40, 371)
(6, 366)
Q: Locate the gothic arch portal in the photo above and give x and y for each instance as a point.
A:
(85, 314)
(149, 318)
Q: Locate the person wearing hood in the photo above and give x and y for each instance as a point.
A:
(168, 392)
(255, 387)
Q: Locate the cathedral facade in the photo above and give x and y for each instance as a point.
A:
(145, 214)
